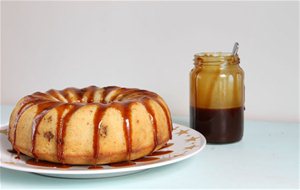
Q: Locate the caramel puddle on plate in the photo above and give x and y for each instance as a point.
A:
(95, 167)
(33, 162)
(159, 153)
(122, 164)
(146, 159)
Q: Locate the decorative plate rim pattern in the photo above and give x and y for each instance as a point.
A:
(192, 145)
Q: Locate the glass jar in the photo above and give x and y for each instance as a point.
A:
(217, 97)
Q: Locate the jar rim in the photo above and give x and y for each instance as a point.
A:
(214, 54)
(216, 57)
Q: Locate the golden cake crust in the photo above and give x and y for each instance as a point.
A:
(90, 126)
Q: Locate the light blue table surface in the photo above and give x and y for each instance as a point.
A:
(267, 157)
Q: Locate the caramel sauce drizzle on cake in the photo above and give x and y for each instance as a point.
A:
(71, 99)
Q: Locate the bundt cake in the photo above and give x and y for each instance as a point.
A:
(90, 126)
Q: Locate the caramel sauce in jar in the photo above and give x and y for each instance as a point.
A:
(217, 97)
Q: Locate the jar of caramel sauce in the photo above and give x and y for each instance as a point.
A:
(217, 97)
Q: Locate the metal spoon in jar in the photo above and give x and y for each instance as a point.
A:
(235, 48)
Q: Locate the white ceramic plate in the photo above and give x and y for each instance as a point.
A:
(186, 142)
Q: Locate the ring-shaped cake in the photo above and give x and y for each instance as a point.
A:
(90, 126)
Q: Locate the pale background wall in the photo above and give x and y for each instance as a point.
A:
(151, 45)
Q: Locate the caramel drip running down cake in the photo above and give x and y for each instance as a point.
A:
(91, 125)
